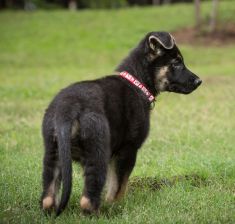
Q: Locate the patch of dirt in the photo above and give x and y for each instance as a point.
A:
(224, 35)
(153, 183)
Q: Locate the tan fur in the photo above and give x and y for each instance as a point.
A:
(51, 196)
(153, 56)
(161, 79)
(152, 46)
(75, 128)
(163, 71)
(85, 203)
(47, 202)
(123, 189)
(111, 183)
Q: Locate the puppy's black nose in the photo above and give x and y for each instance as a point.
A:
(197, 82)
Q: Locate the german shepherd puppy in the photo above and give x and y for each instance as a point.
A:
(102, 123)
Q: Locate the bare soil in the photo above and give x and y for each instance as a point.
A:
(224, 35)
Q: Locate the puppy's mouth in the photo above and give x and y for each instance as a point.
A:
(187, 89)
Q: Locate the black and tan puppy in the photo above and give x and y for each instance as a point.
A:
(102, 123)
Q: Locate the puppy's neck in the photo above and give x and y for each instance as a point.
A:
(137, 65)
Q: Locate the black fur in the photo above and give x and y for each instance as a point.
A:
(96, 122)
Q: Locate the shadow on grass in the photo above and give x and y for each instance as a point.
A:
(154, 183)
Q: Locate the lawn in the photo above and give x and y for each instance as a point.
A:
(185, 171)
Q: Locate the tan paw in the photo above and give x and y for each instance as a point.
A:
(47, 203)
(86, 204)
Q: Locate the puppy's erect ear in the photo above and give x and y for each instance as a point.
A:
(163, 39)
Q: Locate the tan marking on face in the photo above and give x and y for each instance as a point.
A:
(121, 193)
(153, 56)
(163, 71)
(111, 183)
(85, 203)
(75, 128)
(160, 79)
(47, 202)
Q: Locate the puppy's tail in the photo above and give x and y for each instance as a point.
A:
(64, 148)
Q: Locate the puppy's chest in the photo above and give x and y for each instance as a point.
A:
(132, 129)
(137, 129)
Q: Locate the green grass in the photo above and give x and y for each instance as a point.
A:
(185, 171)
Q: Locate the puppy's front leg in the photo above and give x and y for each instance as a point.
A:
(119, 172)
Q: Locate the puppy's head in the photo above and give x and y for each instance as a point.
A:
(167, 65)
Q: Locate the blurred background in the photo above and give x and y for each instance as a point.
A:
(47, 44)
(81, 4)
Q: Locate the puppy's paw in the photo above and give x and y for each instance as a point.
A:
(47, 203)
(87, 206)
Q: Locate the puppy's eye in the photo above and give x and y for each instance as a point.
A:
(176, 64)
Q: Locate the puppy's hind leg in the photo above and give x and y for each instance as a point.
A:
(51, 174)
(95, 139)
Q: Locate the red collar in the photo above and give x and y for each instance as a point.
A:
(138, 84)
